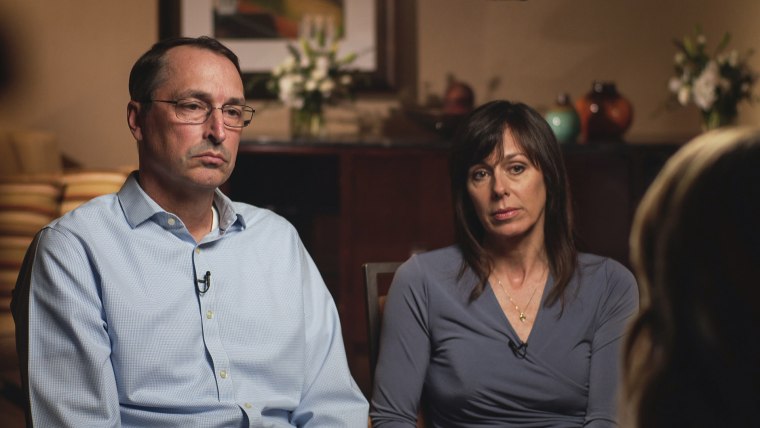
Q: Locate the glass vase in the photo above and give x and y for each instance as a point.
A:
(307, 122)
(715, 118)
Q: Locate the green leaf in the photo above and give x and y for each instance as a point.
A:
(308, 51)
(294, 51)
(723, 43)
(321, 37)
(688, 47)
(348, 59)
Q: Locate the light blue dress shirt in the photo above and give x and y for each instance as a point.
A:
(119, 336)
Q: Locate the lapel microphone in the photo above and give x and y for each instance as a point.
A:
(519, 350)
(206, 281)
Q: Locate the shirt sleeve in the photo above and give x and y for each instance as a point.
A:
(330, 397)
(404, 351)
(63, 339)
(617, 307)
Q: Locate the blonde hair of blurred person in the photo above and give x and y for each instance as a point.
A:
(692, 356)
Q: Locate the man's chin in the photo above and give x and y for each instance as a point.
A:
(210, 178)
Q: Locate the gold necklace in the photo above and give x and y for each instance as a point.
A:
(522, 314)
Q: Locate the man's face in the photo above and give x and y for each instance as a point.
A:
(179, 158)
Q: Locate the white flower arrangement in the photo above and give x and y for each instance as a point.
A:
(715, 84)
(312, 75)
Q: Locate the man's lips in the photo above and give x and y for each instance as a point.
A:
(211, 157)
(504, 214)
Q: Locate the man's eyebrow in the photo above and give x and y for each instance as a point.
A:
(236, 100)
(194, 94)
(204, 96)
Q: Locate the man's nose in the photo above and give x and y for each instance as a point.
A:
(215, 129)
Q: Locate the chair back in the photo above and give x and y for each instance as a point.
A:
(375, 299)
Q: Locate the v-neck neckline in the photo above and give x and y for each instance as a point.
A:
(504, 320)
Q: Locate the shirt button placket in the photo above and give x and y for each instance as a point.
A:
(210, 330)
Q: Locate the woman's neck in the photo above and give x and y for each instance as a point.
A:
(519, 264)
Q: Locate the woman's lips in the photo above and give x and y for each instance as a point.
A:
(505, 214)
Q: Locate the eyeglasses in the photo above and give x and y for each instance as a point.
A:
(196, 112)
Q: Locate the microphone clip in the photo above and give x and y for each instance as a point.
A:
(206, 281)
(519, 350)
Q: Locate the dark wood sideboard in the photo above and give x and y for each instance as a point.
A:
(359, 201)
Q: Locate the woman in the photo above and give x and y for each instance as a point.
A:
(693, 357)
(510, 326)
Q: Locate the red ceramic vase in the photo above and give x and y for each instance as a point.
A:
(604, 113)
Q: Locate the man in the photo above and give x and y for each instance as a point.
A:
(167, 304)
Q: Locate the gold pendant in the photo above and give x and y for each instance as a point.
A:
(522, 316)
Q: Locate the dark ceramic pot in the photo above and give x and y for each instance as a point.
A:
(604, 113)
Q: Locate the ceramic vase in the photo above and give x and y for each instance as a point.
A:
(604, 113)
(564, 120)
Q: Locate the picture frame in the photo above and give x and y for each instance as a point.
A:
(370, 31)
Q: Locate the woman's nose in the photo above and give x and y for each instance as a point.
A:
(500, 185)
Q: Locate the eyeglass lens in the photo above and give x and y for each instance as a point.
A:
(195, 111)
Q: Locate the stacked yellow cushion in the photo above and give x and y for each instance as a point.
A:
(27, 203)
(80, 187)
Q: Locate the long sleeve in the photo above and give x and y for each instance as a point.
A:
(69, 378)
(404, 352)
(330, 397)
(115, 332)
(437, 340)
(618, 306)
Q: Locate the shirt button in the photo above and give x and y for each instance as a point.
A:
(209, 314)
(247, 405)
(171, 221)
(223, 374)
(197, 250)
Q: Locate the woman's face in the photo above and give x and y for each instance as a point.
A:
(508, 194)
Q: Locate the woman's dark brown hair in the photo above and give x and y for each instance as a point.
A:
(479, 136)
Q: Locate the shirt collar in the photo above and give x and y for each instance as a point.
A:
(139, 207)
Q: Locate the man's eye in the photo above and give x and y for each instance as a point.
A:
(192, 106)
(233, 111)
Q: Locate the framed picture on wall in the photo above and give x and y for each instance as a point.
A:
(258, 31)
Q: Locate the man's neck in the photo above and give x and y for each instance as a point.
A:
(192, 207)
(197, 218)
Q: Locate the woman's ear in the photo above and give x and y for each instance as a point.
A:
(134, 119)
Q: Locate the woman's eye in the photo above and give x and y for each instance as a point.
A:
(517, 169)
(479, 175)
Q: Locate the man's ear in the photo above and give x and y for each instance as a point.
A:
(134, 119)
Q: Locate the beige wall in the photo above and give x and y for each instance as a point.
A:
(538, 48)
(75, 56)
